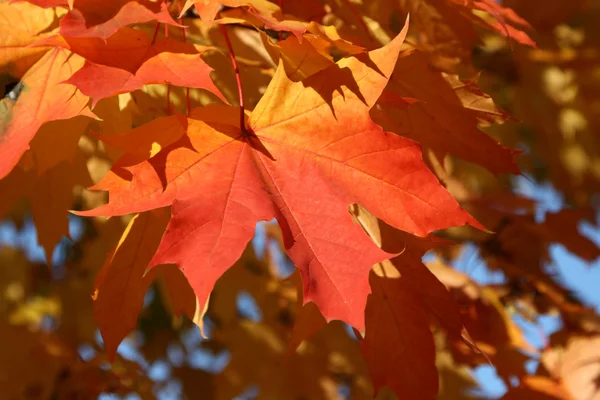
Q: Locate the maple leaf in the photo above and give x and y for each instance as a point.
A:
(395, 314)
(86, 22)
(308, 320)
(148, 140)
(308, 10)
(14, 186)
(50, 198)
(562, 227)
(521, 244)
(258, 12)
(307, 155)
(446, 116)
(505, 17)
(299, 59)
(405, 293)
(47, 3)
(342, 134)
(313, 54)
(121, 285)
(47, 179)
(106, 72)
(408, 263)
(99, 18)
(122, 282)
(544, 19)
(20, 25)
(43, 98)
(477, 103)
(483, 309)
(56, 174)
(207, 9)
(448, 29)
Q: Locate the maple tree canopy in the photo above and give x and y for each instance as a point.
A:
(275, 172)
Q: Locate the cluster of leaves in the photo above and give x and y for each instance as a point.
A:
(357, 126)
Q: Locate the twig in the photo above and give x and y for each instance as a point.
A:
(237, 76)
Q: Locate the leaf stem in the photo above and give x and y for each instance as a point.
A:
(168, 85)
(237, 75)
(168, 99)
(155, 32)
(187, 89)
(281, 8)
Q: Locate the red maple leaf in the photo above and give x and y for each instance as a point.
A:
(309, 151)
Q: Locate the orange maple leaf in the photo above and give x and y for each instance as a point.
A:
(107, 72)
(99, 18)
(21, 25)
(396, 314)
(261, 12)
(447, 116)
(105, 20)
(309, 152)
(121, 284)
(44, 97)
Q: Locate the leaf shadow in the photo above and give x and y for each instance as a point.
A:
(331, 82)
(160, 162)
